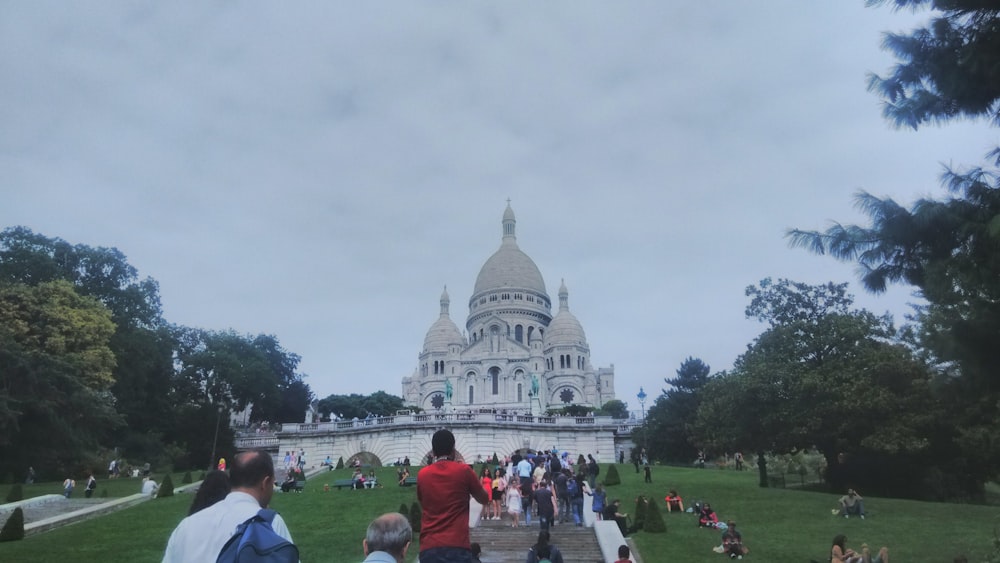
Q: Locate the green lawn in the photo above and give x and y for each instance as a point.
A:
(779, 525)
(121, 487)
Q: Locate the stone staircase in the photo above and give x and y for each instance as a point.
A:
(503, 544)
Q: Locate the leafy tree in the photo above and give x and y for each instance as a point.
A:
(671, 418)
(949, 68)
(234, 372)
(614, 408)
(381, 403)
(354, 405)
(295, 400)
(946, 248)
(55, 375)
(142, 350)
(834, 380)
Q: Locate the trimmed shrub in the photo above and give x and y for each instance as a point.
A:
(104, 493)
(496, 460)
(166, 487)
(653, 522)
(340, 463)
(404, 510)
(612, 477)
(13, 529)
(415, 515)
(639, 513)
(186, 479)
(16, 493)
(202, 476)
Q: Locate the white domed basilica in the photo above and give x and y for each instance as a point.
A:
(516, 355)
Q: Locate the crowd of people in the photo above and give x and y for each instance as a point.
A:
(537, 485)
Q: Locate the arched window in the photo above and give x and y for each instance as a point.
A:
(471, 397)
(519, 333)
(495, 377)
(531, 329)
(562, 361)
(519, 397)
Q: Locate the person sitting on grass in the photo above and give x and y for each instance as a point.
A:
(674, 502)
(852, 503)
(403, 475)
(289, 483)
(624, 555)
(149, 487)
(707, 518)
(732, 542)
(839, 553)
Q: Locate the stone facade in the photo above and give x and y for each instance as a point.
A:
(381, 441)
(514, 355)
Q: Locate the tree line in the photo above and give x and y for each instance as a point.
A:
(90, 370)
(912, 411)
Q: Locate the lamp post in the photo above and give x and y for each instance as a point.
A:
(642, 401)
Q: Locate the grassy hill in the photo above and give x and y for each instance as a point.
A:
(778, 525)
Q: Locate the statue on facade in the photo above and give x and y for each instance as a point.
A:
(534, 385)
(447, 389)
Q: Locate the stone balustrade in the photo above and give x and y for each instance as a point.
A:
(438, 418)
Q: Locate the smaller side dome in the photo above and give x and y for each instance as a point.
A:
(443, 332)
(564, 329)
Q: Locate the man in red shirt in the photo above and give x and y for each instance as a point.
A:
(443, 489)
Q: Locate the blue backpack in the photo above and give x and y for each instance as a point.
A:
(255, 541)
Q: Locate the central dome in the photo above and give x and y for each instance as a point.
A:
(509, 267)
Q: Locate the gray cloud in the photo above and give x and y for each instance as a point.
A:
(320, 170)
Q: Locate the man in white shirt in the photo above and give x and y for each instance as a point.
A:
(201, 536)
(149, 487)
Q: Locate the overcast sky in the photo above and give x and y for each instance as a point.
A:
(319, 171)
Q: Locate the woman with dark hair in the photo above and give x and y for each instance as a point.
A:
(544, 550)
(839, 553)
(214, 488)
(486, 478)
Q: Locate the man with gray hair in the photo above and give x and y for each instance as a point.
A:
(387, 539)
